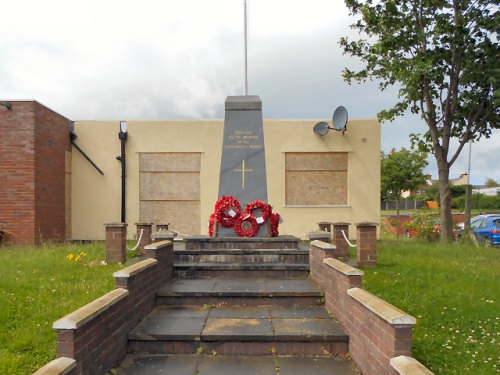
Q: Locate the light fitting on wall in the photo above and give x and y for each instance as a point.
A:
(6, 105)
(123, 130)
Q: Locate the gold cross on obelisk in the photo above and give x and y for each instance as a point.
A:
(243, 170)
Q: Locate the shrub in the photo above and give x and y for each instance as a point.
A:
(423, 224)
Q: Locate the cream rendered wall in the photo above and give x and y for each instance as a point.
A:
(362, 143)
(96, 199)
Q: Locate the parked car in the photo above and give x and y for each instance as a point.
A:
(487, 229)
(461, 226)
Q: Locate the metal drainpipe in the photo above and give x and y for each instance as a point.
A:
(123, 135)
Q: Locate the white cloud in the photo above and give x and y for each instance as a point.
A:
(124, 59)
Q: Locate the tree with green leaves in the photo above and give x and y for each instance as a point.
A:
(443, 55)
(489, 182)
(401, 171)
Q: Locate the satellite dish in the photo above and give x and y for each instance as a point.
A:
(321, 128)
(340, 119)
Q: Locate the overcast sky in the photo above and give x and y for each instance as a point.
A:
(172, 59)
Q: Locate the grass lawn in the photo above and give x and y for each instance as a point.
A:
(38, 287)
(454, 293)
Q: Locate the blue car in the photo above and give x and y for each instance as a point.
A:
(487, 230)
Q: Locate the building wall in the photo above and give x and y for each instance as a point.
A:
(96, 199)
(51, 150)
(33, 149)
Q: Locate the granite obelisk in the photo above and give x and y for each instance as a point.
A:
(243, 162)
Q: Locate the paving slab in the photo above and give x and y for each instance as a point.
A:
(308, 330)
(166, 312)
(168, 329)
(240, 365)
(291, 287)
(190, 287)
(238, 330)
(158, 364)
(242, 312)
(315, 366)
(239, 287)
(298, 312)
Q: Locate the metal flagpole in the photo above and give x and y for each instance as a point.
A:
(246, 39)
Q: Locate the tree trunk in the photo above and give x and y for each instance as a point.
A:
(445, 202)
(397, 217)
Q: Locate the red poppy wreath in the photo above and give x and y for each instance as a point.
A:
(264, 208)
(227, 210)
(275, 222)
(246, 226)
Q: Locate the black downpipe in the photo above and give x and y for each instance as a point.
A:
(123, 137)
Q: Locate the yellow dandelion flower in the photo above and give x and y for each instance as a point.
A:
(78, 258)
(70, 256)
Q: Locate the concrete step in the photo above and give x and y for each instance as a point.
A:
(206, 242)
(242, 256)
(250, 292)
(239, 330)
(239, 270)
(241, 365)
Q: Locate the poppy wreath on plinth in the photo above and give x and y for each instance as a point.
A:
(211, 221)
(264, 208)
(275, 222)
(227, 210)
(246, 226)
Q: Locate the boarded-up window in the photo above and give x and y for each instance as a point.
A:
(169, 190)
(316, 179)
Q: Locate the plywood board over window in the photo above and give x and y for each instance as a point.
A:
(316, 178)
(169, 190)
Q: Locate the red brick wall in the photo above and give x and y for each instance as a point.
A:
(33, 144)
(101, 342)
(373, 341)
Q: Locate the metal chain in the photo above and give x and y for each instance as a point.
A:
(138, 241)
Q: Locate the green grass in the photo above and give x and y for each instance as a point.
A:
(454, 293)
(39, 286)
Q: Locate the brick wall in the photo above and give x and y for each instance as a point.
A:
(33, 148)
(378, 332)
(51, 144)
(96, 335)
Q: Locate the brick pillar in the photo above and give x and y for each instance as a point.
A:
(162, 226)
(366, 237)
(325, 226)
(116, 243)
(342, 247)
(146, 229)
